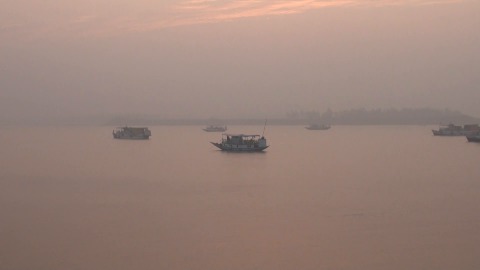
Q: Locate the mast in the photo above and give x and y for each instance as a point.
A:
(264, 126)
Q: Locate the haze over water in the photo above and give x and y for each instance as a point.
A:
(67, 60)
(352, 197)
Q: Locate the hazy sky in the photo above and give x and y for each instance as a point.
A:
(250, 58)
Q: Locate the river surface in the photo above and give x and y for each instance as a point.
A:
(352, 197)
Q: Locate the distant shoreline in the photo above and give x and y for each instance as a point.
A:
(348, 117)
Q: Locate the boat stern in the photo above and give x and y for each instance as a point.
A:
(219, 145)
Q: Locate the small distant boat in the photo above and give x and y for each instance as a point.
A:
(132, 133)
(242, 143)
(457, 130)
(215, 129)
(318, 127)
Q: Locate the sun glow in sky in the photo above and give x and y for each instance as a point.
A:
(56, 18)
(188, 58)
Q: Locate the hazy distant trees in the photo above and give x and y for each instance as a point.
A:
(362, 116)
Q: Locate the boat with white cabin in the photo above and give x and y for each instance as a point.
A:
(457, 130)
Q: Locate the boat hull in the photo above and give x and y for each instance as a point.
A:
(239, 148)
(131, 138)
(452, 133)
(473, 139)
(214, 130)
(322, 128)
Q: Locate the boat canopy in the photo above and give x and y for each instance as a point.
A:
(132, 127)
(240, 135)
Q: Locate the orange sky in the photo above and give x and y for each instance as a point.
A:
(188, 58)
(40, 19)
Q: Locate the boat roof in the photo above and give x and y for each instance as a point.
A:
(131, 127)
(240, 135)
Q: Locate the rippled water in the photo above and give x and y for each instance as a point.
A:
(352, 197)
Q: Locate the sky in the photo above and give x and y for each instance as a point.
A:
(246, 59)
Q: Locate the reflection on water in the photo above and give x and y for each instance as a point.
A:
(347, 198)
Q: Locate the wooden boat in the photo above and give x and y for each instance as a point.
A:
(457, 130)
(131, 133)
(242, 143)
(215, 129)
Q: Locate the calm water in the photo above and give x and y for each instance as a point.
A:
(353, 197)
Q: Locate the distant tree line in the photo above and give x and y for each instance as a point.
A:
(407, 116)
